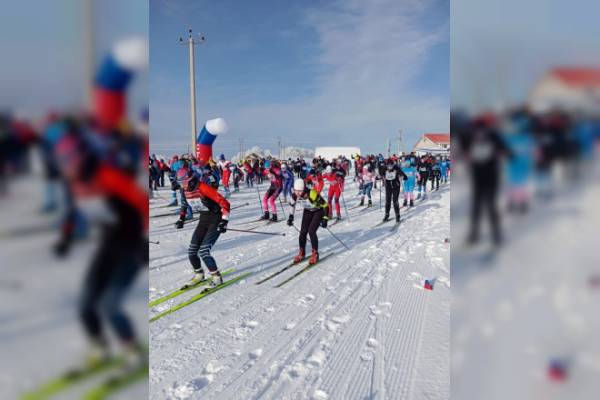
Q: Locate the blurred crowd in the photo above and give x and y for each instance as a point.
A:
(17, 137)
(369, 171)
(521, 156)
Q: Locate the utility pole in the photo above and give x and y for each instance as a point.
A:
(190, 43)
(399, 138)
(279, 146)
(89, 52)
(389, 147)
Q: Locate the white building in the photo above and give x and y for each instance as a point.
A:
(329, 153)
(435, 143)
(567, 89)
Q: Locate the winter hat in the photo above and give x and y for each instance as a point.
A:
(299, 184)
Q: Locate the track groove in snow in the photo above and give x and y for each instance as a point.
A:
(350, 328)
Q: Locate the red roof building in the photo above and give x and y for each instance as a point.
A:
(433, 143)
(567, 88)
(578, 77)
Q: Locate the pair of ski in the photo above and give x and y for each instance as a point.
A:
(396, 225)
(203, 293)
(334, 221)
(268, 222)
(101, 391)
(356, 206)
(292, 264)
(173, 213)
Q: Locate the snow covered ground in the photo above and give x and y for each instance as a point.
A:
(534, 303)
(40, 336)
(357, 326)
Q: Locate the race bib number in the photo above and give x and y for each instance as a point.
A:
(197, 205)
(304, 203)
(390, 175)
(482, 151)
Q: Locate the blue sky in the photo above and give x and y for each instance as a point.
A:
(313, 72)
(501, 47)
(42, 51)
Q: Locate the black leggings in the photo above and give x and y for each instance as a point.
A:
(113, 271)
(311, 219)
(422, 183)
(435, 180)
(204, 237)
(392, 193)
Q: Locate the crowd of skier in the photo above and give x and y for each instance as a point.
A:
(519, 153)
(316, 186)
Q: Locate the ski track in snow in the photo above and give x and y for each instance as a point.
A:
(357, 326)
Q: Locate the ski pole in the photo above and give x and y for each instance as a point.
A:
(338, 239)
(241, 205)
(153, 242)
(380, 197)
(259, 201)
(282, 208)
(345, 208)
(259, 232)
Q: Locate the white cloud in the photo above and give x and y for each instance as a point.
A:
(370, 54)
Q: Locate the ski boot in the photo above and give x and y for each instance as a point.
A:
(412, 203)
(418, 196)
(135, 357)
(215, 279)
(405, 203)
(299, 257)
(397, 218)
(265, 216)
(98, 353)
(386, 218)
(197, 278)
(338, 218)
(362, 201)
(274, 217)
(370, 204)
(314, 257)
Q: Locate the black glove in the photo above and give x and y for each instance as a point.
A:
(61, 248)
(223, 226)
(324, 222)
(290, 220)
(179, 224)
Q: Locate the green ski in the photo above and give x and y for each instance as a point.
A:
(306, 268)
(63, 382)
(116, 383)
(187, 289)
(202, 294)
(273, 275)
